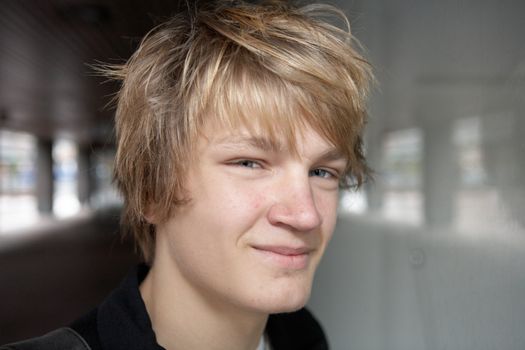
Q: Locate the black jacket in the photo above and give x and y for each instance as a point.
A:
(122, 323)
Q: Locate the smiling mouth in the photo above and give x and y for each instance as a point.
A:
(285, 257)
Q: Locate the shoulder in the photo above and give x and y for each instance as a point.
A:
(87, 328)
(59, 339)
(81, 335)
(296, 330)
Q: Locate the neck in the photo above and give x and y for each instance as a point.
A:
(183, 318)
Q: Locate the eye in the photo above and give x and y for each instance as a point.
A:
(323, 173)
(247, 163)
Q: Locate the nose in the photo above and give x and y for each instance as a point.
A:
(296, 208)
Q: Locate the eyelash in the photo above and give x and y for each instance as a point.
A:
(243, 163)
(253, 164)
(331, 175)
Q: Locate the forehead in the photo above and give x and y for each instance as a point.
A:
(305, 142)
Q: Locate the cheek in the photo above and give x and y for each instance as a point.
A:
(327, 206)
(239, 200)
(257, 201)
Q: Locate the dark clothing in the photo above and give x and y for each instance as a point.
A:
(121, 322)
(59, 339)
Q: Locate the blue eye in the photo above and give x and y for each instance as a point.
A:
(246, 163)
(325, 174)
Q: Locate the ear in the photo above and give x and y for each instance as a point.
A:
(151, 214)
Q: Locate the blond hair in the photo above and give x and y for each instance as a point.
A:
(273, 65)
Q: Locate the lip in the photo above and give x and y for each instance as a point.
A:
(288, 257)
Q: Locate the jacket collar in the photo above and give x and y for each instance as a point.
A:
(122, 320)
(124, 324)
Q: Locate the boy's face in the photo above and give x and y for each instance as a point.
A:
(258, 221)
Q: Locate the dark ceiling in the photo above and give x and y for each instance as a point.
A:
(46, 85)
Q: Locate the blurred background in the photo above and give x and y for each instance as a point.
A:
(431, 255)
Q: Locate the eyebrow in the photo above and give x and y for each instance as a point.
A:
(332, 154)
(269, 145)
(261, 143)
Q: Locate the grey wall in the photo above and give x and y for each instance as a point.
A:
(386, 286)
(455, 279)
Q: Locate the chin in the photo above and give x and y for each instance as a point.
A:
(288, 306)
(282, 301)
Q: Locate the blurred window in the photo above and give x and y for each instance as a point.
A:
(467, 140)
(401, 175)
(65, 170)
(476, 194)
(105, 194)
(18, 205)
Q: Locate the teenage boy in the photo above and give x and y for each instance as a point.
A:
(237, 124)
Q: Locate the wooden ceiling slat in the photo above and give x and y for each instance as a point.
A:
(37, 33)
(52, 29)
(45, 85)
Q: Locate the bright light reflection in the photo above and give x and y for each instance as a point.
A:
(354, 202)
(65, 200)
